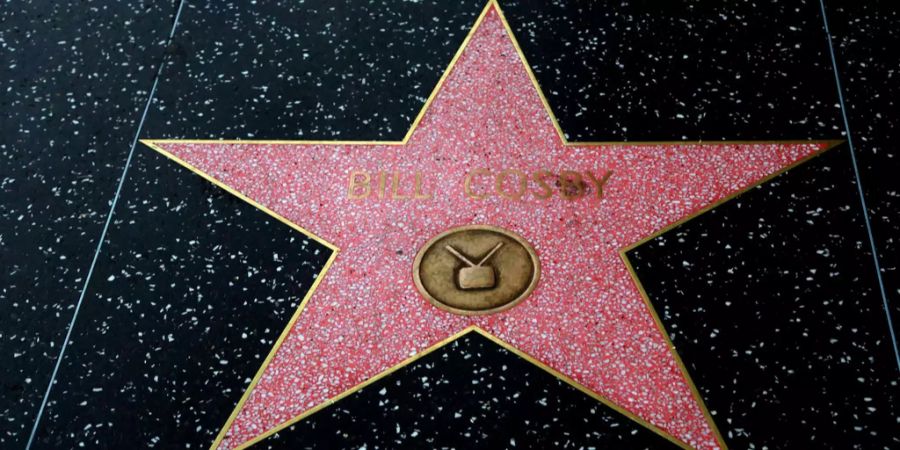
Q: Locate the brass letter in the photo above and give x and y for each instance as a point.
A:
(599, 183)
(573, 188)
(396, 191)
(381, 178)
(355, 183)
(417, 192)
(523, 184)
(546, 192)
(467, 184)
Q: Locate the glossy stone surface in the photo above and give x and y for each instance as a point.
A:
(470, 393)
(312, 70)
(74, 79)
(682, 70)
(772, 304)
(75, 76)
(192, 290)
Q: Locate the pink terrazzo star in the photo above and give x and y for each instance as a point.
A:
(586, 319)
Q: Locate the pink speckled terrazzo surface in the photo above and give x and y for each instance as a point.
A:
(586, 318)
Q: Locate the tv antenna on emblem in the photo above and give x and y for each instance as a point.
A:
(475, 276)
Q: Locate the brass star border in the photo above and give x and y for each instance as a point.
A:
(155, 145)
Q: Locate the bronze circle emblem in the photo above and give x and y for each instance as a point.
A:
(476, 269)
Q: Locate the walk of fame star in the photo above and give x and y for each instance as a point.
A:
(585, 321)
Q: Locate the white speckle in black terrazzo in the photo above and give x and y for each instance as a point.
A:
(318, 69)
(191, 291)
(74, 77)
(771, 300)
(472, 394)
(681, 70)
